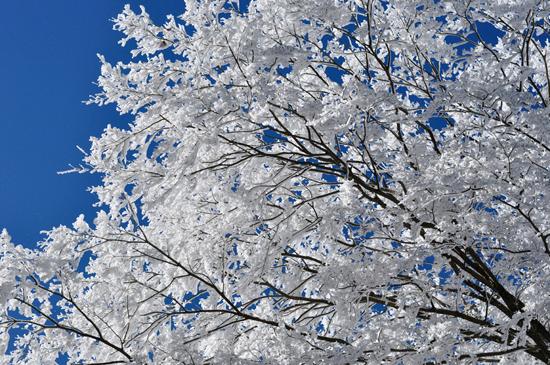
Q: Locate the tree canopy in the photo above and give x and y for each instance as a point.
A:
(307, 182)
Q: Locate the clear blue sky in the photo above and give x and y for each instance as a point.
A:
(48, 64)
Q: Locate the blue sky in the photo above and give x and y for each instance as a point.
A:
(48, 64)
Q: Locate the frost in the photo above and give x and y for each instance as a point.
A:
(80, 225)
(306, 182)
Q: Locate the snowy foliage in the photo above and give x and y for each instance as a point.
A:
(307, 182)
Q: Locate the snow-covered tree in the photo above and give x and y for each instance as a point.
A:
(307, 182)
